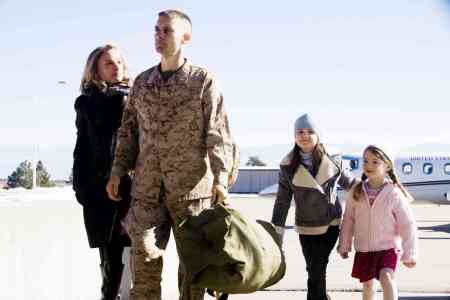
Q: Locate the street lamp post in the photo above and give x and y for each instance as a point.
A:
(34, 163)
(35, 151)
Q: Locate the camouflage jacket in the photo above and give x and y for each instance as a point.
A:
(174, 133)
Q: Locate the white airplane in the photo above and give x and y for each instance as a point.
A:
(426, 176)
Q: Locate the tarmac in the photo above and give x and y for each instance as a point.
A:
(429, 280)
(45, 256)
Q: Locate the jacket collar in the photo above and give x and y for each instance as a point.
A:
(386, 190)
(327, 170)
(180, 76)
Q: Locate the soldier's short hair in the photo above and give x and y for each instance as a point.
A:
(177, 14)
(90, 74)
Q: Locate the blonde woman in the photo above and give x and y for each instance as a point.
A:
(99, 108)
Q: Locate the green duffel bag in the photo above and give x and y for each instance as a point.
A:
(224, 251)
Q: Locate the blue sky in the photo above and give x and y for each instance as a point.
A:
(367, 71)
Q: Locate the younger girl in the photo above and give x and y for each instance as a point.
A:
(378, 217)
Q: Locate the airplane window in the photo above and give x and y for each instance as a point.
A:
(407, 168)
(447, 168)
(354, 164)
(427, 168)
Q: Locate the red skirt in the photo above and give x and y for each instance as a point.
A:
(367, 265)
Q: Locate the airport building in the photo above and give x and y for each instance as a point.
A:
(251, 180)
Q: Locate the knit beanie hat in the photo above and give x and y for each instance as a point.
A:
(385, 149)
(305, 122)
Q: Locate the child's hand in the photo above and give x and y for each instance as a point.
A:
(344, 255)
(280, 231)
(409, 264)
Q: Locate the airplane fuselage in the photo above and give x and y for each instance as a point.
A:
(427, 177)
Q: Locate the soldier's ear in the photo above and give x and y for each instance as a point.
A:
(187, 37)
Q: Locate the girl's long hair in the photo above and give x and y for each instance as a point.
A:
(317, 154)
(391, 173)
(90, 75)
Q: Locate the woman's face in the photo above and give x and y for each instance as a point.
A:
(110, 66)
(306, 139)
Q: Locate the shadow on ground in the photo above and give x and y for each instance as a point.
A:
(425, 298)
(437, 228)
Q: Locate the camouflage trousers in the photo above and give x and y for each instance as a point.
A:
(149, 225)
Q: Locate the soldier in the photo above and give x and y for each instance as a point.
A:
(175, 135)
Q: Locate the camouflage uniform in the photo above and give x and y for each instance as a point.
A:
(175, 136)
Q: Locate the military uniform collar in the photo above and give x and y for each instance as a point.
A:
(181, 75)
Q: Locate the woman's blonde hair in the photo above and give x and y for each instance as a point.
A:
(90, 74)
(391, 173)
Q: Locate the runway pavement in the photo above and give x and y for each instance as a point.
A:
(45, 256)
(429, 280)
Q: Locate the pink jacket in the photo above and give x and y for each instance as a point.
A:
(388, 223)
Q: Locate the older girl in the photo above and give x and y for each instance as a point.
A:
(311, 175)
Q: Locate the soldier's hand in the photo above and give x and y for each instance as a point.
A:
(112, 188)
(220, 195)
(151, 249)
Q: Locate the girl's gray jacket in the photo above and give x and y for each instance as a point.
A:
(315, 197)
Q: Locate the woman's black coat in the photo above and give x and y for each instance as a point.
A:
(98, 116)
